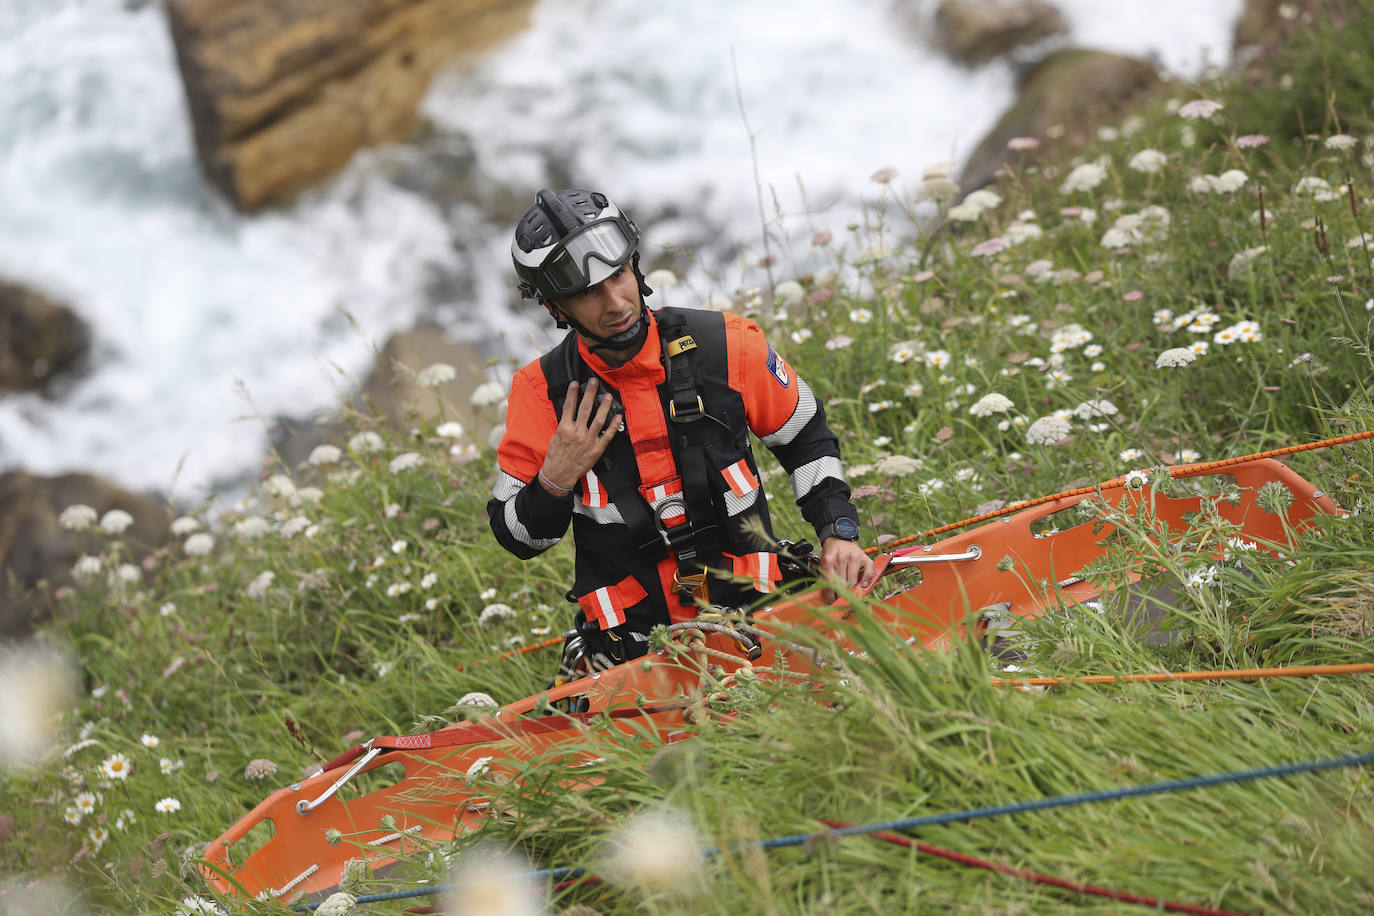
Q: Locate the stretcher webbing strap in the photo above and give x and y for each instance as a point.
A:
(1178, 471)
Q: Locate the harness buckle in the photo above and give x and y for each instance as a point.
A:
(689, 413)
(674, 537)
(691, 587)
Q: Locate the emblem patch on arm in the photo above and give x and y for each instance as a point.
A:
(778, 368)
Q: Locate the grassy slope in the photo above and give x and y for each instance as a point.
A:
(337, 643)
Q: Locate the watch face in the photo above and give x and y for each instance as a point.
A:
(846, 528)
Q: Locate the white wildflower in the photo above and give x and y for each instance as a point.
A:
(433, 376)
(450, 430)
(260, 585)
(488, 394)
(657, 852)
(1241, 261)
(251, 528)
(366, 442)
(1199, 109)
(280, 486)
(199, 544)
(495, 613)
(1083, 178)
(116, 521)
(77, 517)
(661, 279)
(1096, 408)
(294, 526)
(990, 404)
(37, 686)
(1048, 430)
(1148, 161)
(87, 567)
(788, 292)
(406, 461)
(1340, 142)
(1175, 357)
(184, 525)
(325, 454)
(896, 466)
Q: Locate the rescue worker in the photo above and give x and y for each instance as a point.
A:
(635, 428)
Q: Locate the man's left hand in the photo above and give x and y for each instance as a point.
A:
(844, 563)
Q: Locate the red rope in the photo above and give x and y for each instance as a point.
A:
(1038, 878)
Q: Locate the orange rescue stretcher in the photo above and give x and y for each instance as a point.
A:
(651, 697)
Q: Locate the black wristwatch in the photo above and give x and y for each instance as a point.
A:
(846, 529)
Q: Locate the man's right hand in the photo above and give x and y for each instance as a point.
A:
(584, 430)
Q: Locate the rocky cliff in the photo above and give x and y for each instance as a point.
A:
(283, 92)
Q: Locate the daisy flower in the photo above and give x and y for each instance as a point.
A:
(115, 766)
(167, 806)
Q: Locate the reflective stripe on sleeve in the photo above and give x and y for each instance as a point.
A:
(605, 515)
(807, 477)
(518, 530)
(506, 486)
(805, 410)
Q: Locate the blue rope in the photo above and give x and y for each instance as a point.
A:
(967, 814)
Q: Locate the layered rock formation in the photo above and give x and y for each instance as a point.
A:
(34, 548)
(974, 32)
(1068, 90)
(283, 92)
(38, 339)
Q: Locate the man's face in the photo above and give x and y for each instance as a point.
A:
(608, 308)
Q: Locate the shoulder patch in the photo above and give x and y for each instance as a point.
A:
(778, 368)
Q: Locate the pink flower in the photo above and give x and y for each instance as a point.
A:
(990, 247)
(923, 276)
(1134, 296)
(821, 238)
(883, 176)
(1249, 140)
(1199, 109)
(1022, 143)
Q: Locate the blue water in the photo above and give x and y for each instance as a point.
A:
(207, 322)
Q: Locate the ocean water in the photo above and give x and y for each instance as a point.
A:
(208, 323)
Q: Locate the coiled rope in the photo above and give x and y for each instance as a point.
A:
(966, 814)
(1192, 470)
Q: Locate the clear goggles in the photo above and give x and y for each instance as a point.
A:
(568, 269)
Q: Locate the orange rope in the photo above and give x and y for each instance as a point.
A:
(1193, 470)
(1239, 674)
(532, 647)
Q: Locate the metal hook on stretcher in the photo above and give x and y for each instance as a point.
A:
(973, 553)
(304, 807)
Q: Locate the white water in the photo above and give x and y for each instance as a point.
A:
(192, 305)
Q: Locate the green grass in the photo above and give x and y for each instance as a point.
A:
(347, 638)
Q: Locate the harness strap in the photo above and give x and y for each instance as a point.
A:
(696, 544)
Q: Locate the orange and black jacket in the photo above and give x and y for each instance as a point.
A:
(624, 576)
